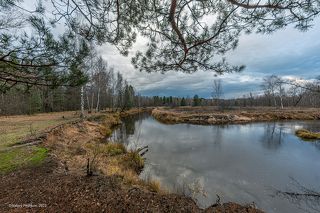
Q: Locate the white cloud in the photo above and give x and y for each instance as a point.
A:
(287, 52)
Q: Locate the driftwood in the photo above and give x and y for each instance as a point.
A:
(143, 153)
(295, 194)
(142, 148)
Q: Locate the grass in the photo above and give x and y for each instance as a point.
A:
(74, 145)
(133, 160)
(21, 157)
(155, 186)
(113, 149)
(109, 121)
(211, 115)
(307, 135)
(114, 159)
(13, 129)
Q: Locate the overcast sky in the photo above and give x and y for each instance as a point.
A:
(287, 53)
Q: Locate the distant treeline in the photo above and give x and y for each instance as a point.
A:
(108, 89)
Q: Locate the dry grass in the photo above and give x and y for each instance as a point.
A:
(15, 128)
(135, 111)
(154, 186)
(210, 115)
(308, 135)
(73, 144)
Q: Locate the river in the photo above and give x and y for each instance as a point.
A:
(243, 163)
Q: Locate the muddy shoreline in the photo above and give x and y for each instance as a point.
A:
(210, 116)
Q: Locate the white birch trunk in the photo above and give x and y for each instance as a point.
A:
(98, 100)
(82, 102)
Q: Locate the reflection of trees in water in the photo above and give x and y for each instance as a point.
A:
(312, 126)
(317, 144)
(307, 199)
(218, 132)
(128, 127)
(273, 136)
(119, 134)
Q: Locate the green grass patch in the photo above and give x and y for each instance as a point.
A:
(20, 157)
(38, 157)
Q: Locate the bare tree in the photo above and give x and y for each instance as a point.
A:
(216, 90)
(281, 90)
(269, 85)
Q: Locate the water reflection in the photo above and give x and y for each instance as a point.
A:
(128, 127)
(242, 163)
(273, 136)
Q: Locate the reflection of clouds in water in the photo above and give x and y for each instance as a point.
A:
(238, 162)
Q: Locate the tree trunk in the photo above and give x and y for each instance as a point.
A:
(88, 102)
(274, 100)
(82, 102)
(92, 98)
(98, 100)
(281, 102)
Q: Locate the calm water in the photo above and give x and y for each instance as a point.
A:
(241, 163)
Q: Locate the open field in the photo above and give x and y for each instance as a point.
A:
(14, 129)
(211, 115)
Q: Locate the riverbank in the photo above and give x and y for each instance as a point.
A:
(81, 171)
(210, 115)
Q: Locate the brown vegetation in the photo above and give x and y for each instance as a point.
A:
(209, 115)
(308, 135)
(135, 111)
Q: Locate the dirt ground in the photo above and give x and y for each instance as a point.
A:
(211, 115)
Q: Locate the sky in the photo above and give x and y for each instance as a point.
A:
(288, 53)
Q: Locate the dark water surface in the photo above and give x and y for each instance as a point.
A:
(241, 163)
